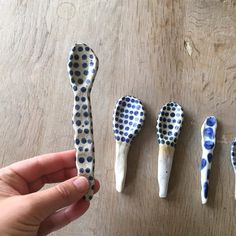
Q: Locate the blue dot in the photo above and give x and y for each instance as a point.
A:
(83, 140)
(208, 132)
(211, 121)
(84, 65)
(130, 123)
(81, 149)
(127, 128)
(170, 126)
(126, 121)
(127, 99)
(77, 107)
(125, 134)
(130, 136)
(127, 140)
(89, 141)
(87, 48)
(81, 160)
(85, 72)
(136, 113)
(133, 106)
(77, 141)
(131, 117)
(86, 131)
(123, 139)
(75, 88)
(209, 145)
(117, 138)
(128, 105)
(81, 170)
(203, 163)
(209, 157)
(84, 57)
(205, 189)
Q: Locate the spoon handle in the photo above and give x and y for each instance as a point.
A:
(84, 145)
(165, 159)
(122, 150)
(208, 133)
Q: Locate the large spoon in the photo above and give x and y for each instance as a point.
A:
(82, 68)
(233, 162)
(128, 118)
(208, 133)
(169, 123)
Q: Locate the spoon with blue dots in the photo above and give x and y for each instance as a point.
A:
(128, 119)
(208, 134)
(233, 162)
(169, 123)
(82, 69)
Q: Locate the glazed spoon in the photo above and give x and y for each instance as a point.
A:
(233, 161)
(208, 133)
(128, 118)
(82, 68)
(169, 123)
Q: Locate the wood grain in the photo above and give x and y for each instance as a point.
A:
(182, 50)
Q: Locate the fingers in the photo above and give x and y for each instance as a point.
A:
(66, 215)
(35, 168)
(55, 177)
(46, 202)
(63, 217)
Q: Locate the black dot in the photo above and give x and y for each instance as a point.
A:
(71, 57)
(86, 131)
(170, 126)
(84, 107)
(86, 114)
(86, 122)
(90, 197)
(87, 170)
(76, 98)
(76, 57)
(77, 73)
(90, 178)
(71, 72)
(80, 81)
(81, 149)
(77, 141)
(77, 114)
(83, 99)
(83, 89)
(172, 114)
(75, 88)
(83, 140)
(79, 131)
(77, 107)
(86, 150)
(72, 80)
(80, 49)
(78, 122)
(89, 159)
(81, 160)
(76, 65)
(70, 64)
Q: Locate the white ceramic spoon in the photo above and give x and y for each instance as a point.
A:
(82, 68)
(208, 133)
(128, 118)
(169, 123)
(233, 162)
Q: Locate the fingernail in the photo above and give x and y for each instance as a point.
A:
(81, 184)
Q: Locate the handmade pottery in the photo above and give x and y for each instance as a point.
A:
(82, 68)
(169, 123)
(208, 133)
(233, 162)
(128, 118)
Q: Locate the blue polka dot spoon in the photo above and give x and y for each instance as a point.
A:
(233, 162)
(169, 123)
(82, 68)
(128, 119)
(208, 133)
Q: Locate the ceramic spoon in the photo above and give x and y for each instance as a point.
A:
(208, 133)
(233, 161)
(169, 123)
(128, 118)
(82, 68)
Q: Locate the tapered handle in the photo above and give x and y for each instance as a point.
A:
(165, 159)
(122, 150)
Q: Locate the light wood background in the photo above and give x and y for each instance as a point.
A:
(155, 50)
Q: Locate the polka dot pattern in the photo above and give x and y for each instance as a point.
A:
(128, 118)
(169, 123)
(208, 132)
(233, 154)
(82, 68)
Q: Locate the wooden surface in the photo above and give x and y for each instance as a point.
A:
(155, 50)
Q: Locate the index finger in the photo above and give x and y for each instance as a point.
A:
(36, 167)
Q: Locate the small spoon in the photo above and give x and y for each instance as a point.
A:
(233, 161)
(169, 123)
(208, 133)
(82, 68)
(128, 118)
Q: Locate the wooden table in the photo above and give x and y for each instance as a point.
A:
(155, 50)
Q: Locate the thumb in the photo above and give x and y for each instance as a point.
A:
(46, 202)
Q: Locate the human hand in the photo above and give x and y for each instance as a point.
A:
(26, 212)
